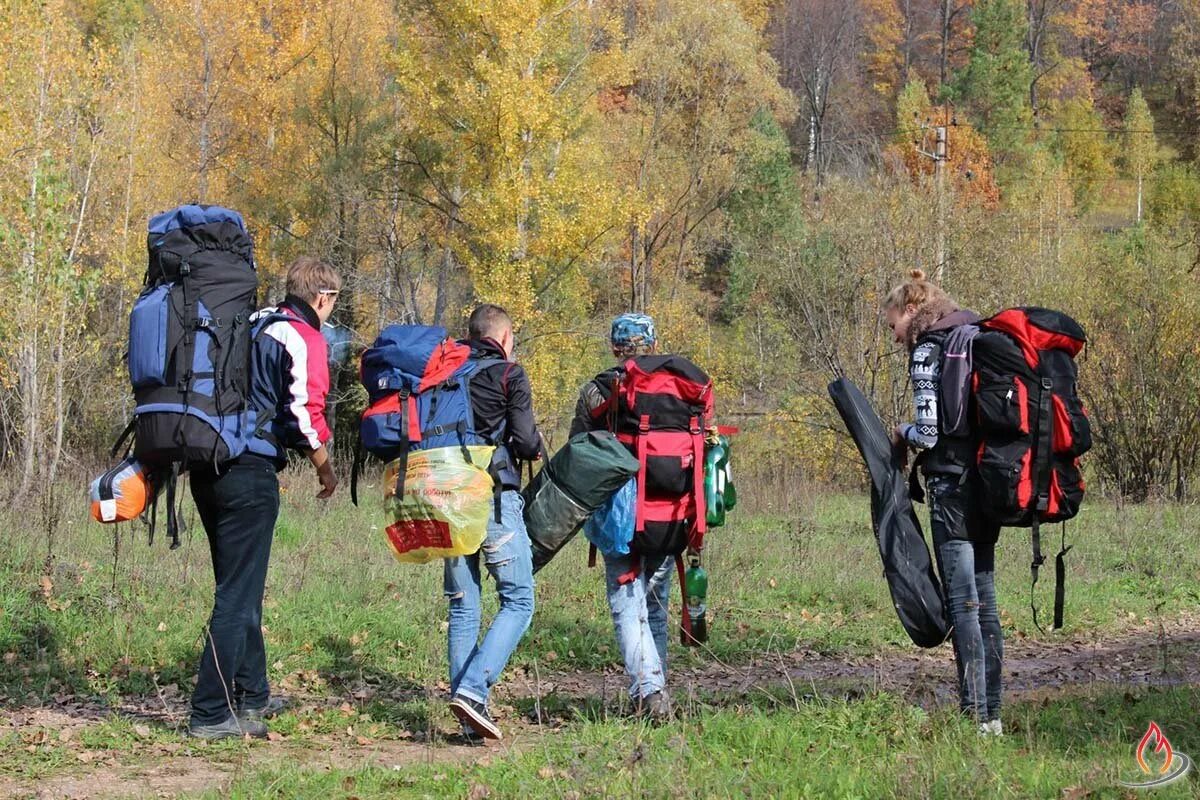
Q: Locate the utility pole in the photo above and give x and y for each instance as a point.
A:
(938, 156)
(939, 177)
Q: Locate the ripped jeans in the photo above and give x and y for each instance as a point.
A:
(639, 613)
(965, 544)
(475, 666)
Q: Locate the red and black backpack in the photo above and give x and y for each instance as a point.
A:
(659, 409)
(1031, 425)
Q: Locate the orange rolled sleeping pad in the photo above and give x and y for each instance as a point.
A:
(122, 493)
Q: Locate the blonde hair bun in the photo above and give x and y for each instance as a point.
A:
(917, 274)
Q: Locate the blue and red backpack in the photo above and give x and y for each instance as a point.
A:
(418, 382)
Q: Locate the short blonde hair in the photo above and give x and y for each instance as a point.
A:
(308, 276)
(916, 291)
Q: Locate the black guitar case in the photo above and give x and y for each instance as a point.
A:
(916, 590)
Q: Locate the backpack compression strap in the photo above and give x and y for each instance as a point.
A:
(639, 516)
(701, 525)
(685, 619)
(1041, 485)
(1060, 579)
(355, 466)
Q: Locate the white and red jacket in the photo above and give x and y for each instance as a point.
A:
(289, 379)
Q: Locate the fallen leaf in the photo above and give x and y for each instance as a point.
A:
(478, 792)
(363, 740)
(65, 735)
(162, 626)
(47, 586)
(274, 736)
(545, 773)
(348, 783)
(551, 655)
(142, 730)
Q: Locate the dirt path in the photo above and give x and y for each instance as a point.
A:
(1142, 656)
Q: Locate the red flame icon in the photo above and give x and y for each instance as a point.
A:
(1155, 736)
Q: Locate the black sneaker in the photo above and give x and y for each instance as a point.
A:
(275, 706)
(231, 728)
(475, 714)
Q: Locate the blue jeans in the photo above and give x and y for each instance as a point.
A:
(639, 612)
(475, 667)
(966, 553)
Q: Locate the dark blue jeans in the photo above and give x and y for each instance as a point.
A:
(238, 508)
(965, 545)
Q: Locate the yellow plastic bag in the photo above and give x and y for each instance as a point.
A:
(446, 503)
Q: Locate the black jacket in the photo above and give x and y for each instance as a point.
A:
(502, 404)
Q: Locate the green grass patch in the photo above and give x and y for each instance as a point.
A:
(873, 747)
(77, 613)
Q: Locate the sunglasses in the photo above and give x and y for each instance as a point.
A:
(329, 292)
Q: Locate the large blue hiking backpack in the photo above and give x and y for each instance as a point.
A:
(418, 382)
(189, 344)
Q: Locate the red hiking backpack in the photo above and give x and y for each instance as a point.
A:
(659, 409)
(1031, 425)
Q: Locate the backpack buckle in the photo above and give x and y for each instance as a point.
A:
(1047, 384)
(437, 430)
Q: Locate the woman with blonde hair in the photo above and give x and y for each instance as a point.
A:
(922, 317)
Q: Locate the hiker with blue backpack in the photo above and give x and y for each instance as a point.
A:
(453, 422)
(661, 408)
(222, 393)
(238, 502)
(502, 410)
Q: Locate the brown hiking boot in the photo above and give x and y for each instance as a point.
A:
(655, 707)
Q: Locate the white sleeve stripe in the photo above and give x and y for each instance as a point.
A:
(297, 348)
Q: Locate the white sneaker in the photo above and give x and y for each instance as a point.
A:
(985, 729)
(997, 727)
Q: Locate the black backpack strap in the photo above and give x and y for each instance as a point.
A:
(355, 467)
(1060, 579)
(123, 437)
(1038, 560)
(172, 512)
(1042, 473)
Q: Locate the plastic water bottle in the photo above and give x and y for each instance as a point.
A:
(715, 465)
(728, 490)
(696, 581)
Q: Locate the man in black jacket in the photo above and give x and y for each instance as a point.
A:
(502, 407)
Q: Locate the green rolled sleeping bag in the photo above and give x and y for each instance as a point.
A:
(575, 482)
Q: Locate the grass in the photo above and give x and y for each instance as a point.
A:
(87, 615)
(874, 747)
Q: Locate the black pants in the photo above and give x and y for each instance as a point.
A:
(238, 508)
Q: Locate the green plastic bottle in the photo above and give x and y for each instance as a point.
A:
(715, 466)
(696, 581)
(728, 490)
